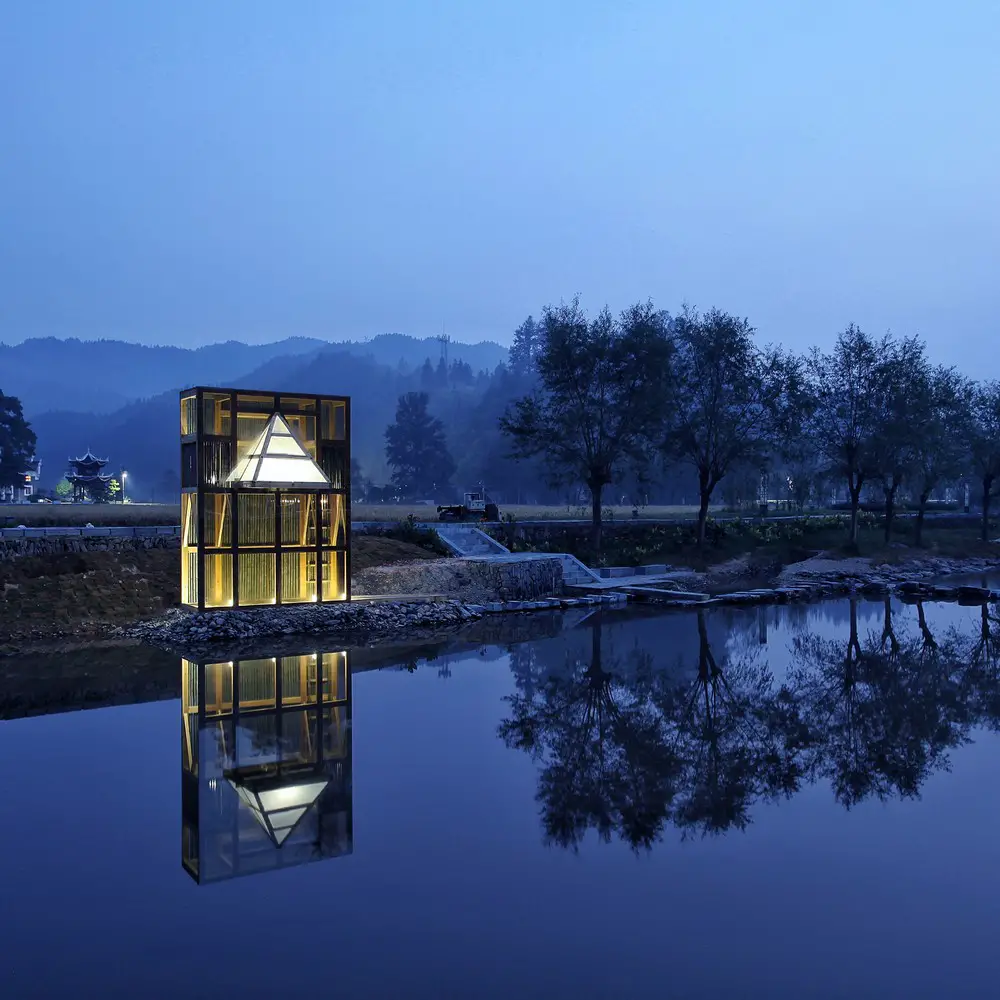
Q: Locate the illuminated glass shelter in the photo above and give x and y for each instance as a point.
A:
(266, 776)
(265, 516)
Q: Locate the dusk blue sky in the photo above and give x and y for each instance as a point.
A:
(184, 172)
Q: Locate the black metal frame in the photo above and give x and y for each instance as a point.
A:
(201, 489)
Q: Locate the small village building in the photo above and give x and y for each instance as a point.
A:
(265, 486)
(266, 777)
(86, 477)
(26, 487)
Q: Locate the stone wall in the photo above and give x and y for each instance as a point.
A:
(40, 547)
(523, 579)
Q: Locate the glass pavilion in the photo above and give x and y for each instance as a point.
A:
(265, 515)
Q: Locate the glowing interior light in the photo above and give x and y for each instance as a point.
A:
(277, 458)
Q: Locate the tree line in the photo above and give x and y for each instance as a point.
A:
(639, 394)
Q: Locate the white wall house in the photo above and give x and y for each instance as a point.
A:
(22, 492)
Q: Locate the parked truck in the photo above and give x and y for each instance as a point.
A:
(476, 506)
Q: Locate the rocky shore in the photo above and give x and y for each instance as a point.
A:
(359, 622)
(925, 578)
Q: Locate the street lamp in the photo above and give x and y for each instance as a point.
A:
(124, 495)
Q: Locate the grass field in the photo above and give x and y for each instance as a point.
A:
(522, 512)
(42, 515)
(46, 515)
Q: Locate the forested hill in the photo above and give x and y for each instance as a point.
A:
(142, 436)
(101, 376)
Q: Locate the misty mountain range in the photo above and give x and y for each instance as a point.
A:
(120, 399)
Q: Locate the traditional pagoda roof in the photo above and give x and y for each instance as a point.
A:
(278, 459)
(88, 459)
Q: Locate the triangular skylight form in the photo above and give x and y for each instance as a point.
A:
(278, 807)
(277, 458)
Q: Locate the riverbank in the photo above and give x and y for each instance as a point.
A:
(88, 588)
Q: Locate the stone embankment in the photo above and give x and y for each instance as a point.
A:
(355, 622)
(863, 574)
(44, 546)
(495, 579)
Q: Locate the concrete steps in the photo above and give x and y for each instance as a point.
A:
(465, 540)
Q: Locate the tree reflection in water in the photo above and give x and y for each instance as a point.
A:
(882, 711)
(604, 763)
(733, 734)
(628, 750)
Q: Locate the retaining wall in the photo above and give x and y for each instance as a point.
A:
(516, 579)
(33, 544)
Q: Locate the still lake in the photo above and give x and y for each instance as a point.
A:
(782, 802)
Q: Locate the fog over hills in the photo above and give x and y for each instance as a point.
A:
(121, 400)
(101, 376)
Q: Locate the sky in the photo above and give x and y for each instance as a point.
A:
(189, 172)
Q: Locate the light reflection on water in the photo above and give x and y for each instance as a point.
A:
(792, 801)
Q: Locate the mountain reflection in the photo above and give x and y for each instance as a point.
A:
(630, 748)
(266, 764)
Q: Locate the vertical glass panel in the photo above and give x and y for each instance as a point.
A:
(218, 520)
(261, 733)
(218, 688)
(189, 576)
(334, 420)
(256, 512)
(335, 676)
(298, 577)
(216, 414)
(298, 519)
(298, 680)
(333, 508)
(334, 576)
(257, 577)
(336, 732)
(189, 519)
(189, 686)
(218, 580)
(216, 461)
(333, 462)
(189, 464)
(189, 550)
(189, 415)
(257, 683)
(249, 427)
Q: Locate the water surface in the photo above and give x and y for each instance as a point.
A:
(783, 802)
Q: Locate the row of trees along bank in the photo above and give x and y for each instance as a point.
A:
(627, 395)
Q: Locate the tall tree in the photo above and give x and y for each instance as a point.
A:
(526, 346)
(943, 427)
(416, 449)
(602, 386)
(986, 445)
(17, 441)
(848, 386)
(904, 395)
(725, 400)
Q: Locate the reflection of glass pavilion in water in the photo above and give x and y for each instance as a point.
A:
(266, 764)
